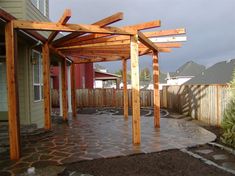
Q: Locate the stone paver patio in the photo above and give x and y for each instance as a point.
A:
(101, 136)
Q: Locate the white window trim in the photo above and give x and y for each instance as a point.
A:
(37, 6)
(41, 98)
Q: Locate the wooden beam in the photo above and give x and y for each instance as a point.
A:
(73, 90)
(169, 39)
(104, 22)
(86, 57)
(63, 20)
(117, 38)
(12, 91)
(144, 26)
(58, 52)
(141, 26)
(125, 91)
(143, 39)
(156, 97)
(95, 59)
(64, 92)
(99, 55)
(135, 90)
(84, 28)
(116, 43)
(46, 86)
(96, 45)
(165, 32)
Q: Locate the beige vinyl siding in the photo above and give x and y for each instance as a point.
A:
(14, 7)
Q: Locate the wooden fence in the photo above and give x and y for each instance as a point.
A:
(104, 98)
(202, 102)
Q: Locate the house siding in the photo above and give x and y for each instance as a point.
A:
(36, 108)
(32, 13)
(22, 71)
(14, 7)
(3, 92)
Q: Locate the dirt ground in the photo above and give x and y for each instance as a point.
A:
(166, 163)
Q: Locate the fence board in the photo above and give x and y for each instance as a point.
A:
(203, 102)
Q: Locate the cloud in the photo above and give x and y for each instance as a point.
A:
(209, 24)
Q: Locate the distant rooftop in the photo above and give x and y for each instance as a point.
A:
(189, 69)
(219, 73)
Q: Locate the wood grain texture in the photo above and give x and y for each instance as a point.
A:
(125, 91)
(12, 91)
(136, 136)
(64, 90)
(156, 98)
(46, 86)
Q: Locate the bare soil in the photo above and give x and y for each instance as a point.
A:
(166, 163)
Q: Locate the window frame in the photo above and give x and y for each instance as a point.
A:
(44, 12)
(40, 77)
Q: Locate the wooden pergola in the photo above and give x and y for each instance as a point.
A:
(97, 42)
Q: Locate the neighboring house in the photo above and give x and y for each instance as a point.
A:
(162, 81)
(219, 73)
(84, 74)
(184, 73)
(103, 79)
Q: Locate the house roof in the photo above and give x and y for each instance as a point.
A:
(219, 73)
(162, 78)
(99, 75)
(189, 69)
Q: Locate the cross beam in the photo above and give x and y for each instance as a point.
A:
(104, 22)
(84, 28)
(63, 20)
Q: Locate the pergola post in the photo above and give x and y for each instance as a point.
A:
(135, 89)
(156, 97)
(69, 89)
(60, 88)
(125, 91)
(73, 90)
(64, 92)
(46, 86)
(12, 92)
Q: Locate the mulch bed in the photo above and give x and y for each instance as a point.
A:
(166, 163)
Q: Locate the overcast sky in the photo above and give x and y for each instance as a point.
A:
(210, 25)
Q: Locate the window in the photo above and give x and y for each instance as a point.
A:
(37, 75)
(40, 5)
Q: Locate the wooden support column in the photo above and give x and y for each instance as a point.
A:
(69, 88)
(12, 92)
(64, 92)
(46, 86)
(125, 91)
(73, 90)
(135, 90)
(156, 97)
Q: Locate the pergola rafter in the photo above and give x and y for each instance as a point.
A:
(86, 43)
(122, 38)
(136, 27)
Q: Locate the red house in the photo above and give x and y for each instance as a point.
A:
(84, 74)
